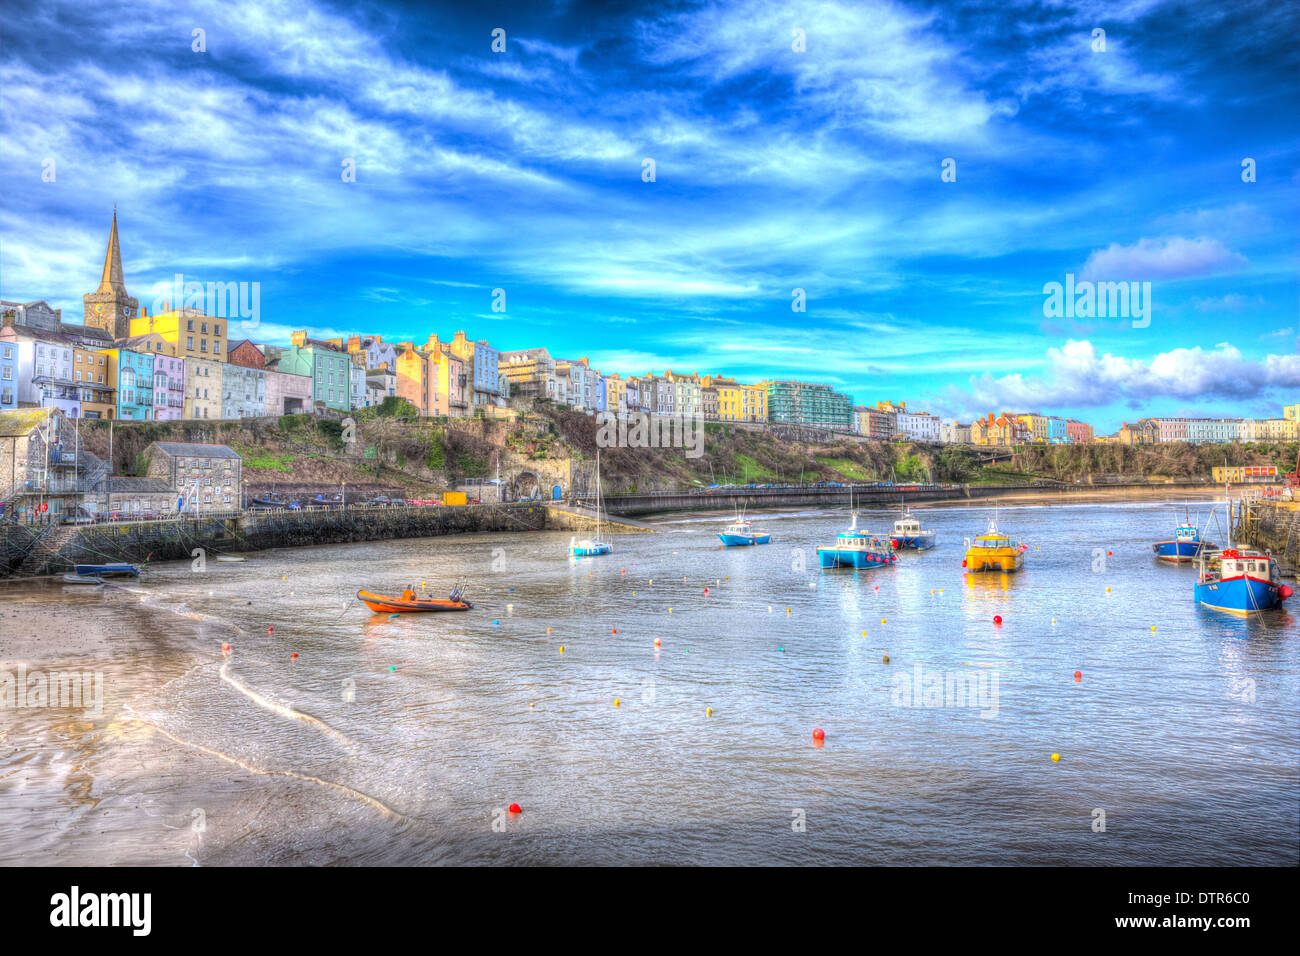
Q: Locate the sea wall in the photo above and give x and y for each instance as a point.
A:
(1274, 526)
(176, 539)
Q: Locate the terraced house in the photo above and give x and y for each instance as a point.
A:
(203, 388)
(131, 374)
(243, 391)
(327, 366)
(90, 374)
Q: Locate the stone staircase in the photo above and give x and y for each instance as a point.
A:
(46, 554)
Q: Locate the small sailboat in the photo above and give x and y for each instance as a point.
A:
(856, 549)
(908, 534)
(994, 551)
(82, 579)
(1238, 580)
(740, 533)
(410, 601)
(591, 547)
(1186, 543)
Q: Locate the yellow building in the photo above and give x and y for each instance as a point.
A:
(615, 395)
(203, 388)
(1037, 425)
(413, 376)
(96, 383)
(1291, 413)
(730, 398)
(753, 400)
(1237, 474)
(192, 332)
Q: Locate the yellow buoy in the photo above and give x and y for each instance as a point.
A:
(708, 711)
(561, 648)
(1056, 758)
(670, 610)
(1107, 590)
(615, 701)
(1153, 627)
(882, 620)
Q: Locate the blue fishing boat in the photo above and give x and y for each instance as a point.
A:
(107, 570)
(908, 534)
(1185, 545)
(856, 549)
(1239, 581)
(740, 533)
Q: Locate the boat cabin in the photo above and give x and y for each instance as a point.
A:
(1234, 564)
(1186, 533)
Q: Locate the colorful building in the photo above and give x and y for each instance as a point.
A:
(727, 403)
(203, 388)
(132, 376)
(90, 374)
(754, 402)
(192, 333)
(326, 366)
(243, 391)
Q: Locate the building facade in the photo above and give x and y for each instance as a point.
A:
(203, 389)
(208, 477)
(812, 405)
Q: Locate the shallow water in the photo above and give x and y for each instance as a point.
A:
(403, 740)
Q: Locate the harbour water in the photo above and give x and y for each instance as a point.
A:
(403, 740)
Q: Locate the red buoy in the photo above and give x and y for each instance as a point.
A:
(894, 542)
(225, 647)
(270, 630)
(1078, 676)
(516, 808)
(293, 655)
(706, 590)
(819, 734)
(613, 630)
(1285, 591)
(997, 618)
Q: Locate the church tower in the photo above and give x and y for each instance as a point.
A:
(109, 307)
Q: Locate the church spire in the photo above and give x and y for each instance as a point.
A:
(113, 280)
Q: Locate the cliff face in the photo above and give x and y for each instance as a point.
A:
(397, 453)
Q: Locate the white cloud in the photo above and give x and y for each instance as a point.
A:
(1149, 259)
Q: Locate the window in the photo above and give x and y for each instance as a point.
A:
(189, 325)
(203, 345)
(189, 341)
(216, 347)
(203, 328)
(216, 328)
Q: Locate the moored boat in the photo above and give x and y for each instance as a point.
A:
(740, 533)
(82, 579)
(108, 570)
(591, 547)
(1184, 546)
(1239, 580)
(410, 601)
(994, 551)
(856, 549)
(909, 535)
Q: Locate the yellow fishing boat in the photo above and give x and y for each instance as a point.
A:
(994, 551)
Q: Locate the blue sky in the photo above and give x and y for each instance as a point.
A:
(776, 169)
